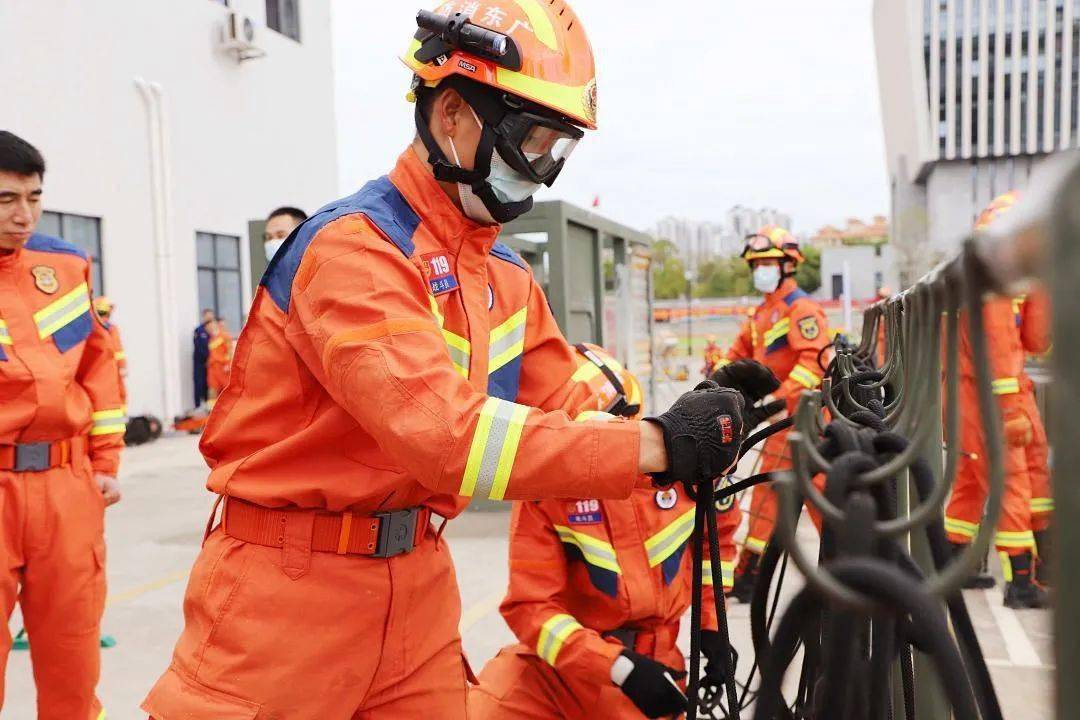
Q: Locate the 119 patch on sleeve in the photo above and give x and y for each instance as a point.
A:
(441, 279)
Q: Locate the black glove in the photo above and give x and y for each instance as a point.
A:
(754, 381)
(651, 687)
(716, 664)
(703, 431)
(749, 377)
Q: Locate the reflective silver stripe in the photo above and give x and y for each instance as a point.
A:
(489, 465)
(661, 545)
(515, 337)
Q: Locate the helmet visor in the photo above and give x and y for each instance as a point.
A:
(537, 146)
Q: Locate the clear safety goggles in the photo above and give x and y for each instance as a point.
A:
(537, 146)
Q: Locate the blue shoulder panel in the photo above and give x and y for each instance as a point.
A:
(379, 200)
(796, 294)
(47, 243)
(503, 252)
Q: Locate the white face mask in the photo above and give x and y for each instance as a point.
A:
(271, 247)
(509, 185)
(767, 278)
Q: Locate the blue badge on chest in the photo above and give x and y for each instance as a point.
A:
(441, 278)
(584, 512)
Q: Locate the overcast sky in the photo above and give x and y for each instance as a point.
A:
(703, 105)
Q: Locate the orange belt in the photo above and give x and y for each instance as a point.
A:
(41, 456)
(381, 535)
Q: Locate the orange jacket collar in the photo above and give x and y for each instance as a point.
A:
(438, 212)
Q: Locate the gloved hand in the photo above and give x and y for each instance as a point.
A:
(1018, 428)
(650, 685)
(715, 664)
(755, 382)
(703, 431)
(749, 377)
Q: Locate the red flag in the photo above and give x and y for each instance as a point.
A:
(596, 201)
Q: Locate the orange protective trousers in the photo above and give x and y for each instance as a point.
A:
(51, 537)
(1037, 457)
(380, 641)
(968, 501)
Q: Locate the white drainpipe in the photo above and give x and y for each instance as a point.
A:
(161, 194)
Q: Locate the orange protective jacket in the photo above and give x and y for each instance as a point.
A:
(1034, 317)
(395, 356)
(1005, 352)
(582, 568)
(786, 333)
(220, 346)
(58, 374)
(121, 360)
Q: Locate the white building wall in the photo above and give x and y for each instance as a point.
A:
(243, 139)
(864, 262)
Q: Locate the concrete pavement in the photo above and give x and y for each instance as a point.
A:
(154, 535)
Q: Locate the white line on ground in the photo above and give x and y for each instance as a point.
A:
(476, 612)
(1003, 663)
(1021, 651)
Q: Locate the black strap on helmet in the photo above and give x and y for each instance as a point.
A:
(620, 405)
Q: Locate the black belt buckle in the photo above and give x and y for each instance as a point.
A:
(397, 532)
(32, 457)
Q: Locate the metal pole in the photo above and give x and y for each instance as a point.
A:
(689, 313)
(847, 296)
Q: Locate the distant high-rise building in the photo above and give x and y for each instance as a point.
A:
(699, 241)
(974, 95)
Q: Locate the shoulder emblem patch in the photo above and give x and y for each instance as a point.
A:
(809, 328)
(45, 279)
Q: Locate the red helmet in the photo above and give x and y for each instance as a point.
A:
(772, 242)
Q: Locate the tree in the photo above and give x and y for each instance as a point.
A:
(809, 274)
(669, 271)
(724, 277)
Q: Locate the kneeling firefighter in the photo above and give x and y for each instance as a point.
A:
(398, 361)
(598, 588)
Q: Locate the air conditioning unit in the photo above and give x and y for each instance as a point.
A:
(240, 38)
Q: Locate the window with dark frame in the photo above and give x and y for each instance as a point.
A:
(218, 268)
(80, 230)
(284, 17)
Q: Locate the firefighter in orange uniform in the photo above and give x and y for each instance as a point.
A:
(1034, 318)
(398, 361)
(592, 580)
(219, 363)
(104, 307)
(786, 333)
(61, 433)
(1013, 538)
(713, 356)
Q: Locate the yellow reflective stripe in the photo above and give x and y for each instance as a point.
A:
(494, 448)
(540, 22)
(507, 341)
(1019, 539)
(101, 715)
(661, 545)
(1006, 386)
(568, 98)
(961, 527)
(553, 633)
(764, 254)
(596, 551)
(598, 415)
(755, 544)
(727, 572)
(58, 315)
(435, 310)
(62, 303)
(108, 422)
(460, 352)
(1042, 504)
(804, 377)
(722, 363)
(777, 331)
(585, 373)
(1006, 566)
(121, 356)
(5, 337)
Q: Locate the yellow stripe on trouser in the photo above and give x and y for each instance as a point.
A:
(804, 377)
(596, 551)
(108, 422)
(727, 571)
(553, 633)
(777, 331)
(1042, 505)
(494, 448)
(961, 527)
(1006, 566)
(661, 545)
(1019, 539)
(1006, 386)
(507, 341)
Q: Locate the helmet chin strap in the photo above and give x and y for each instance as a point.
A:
(477, 178)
